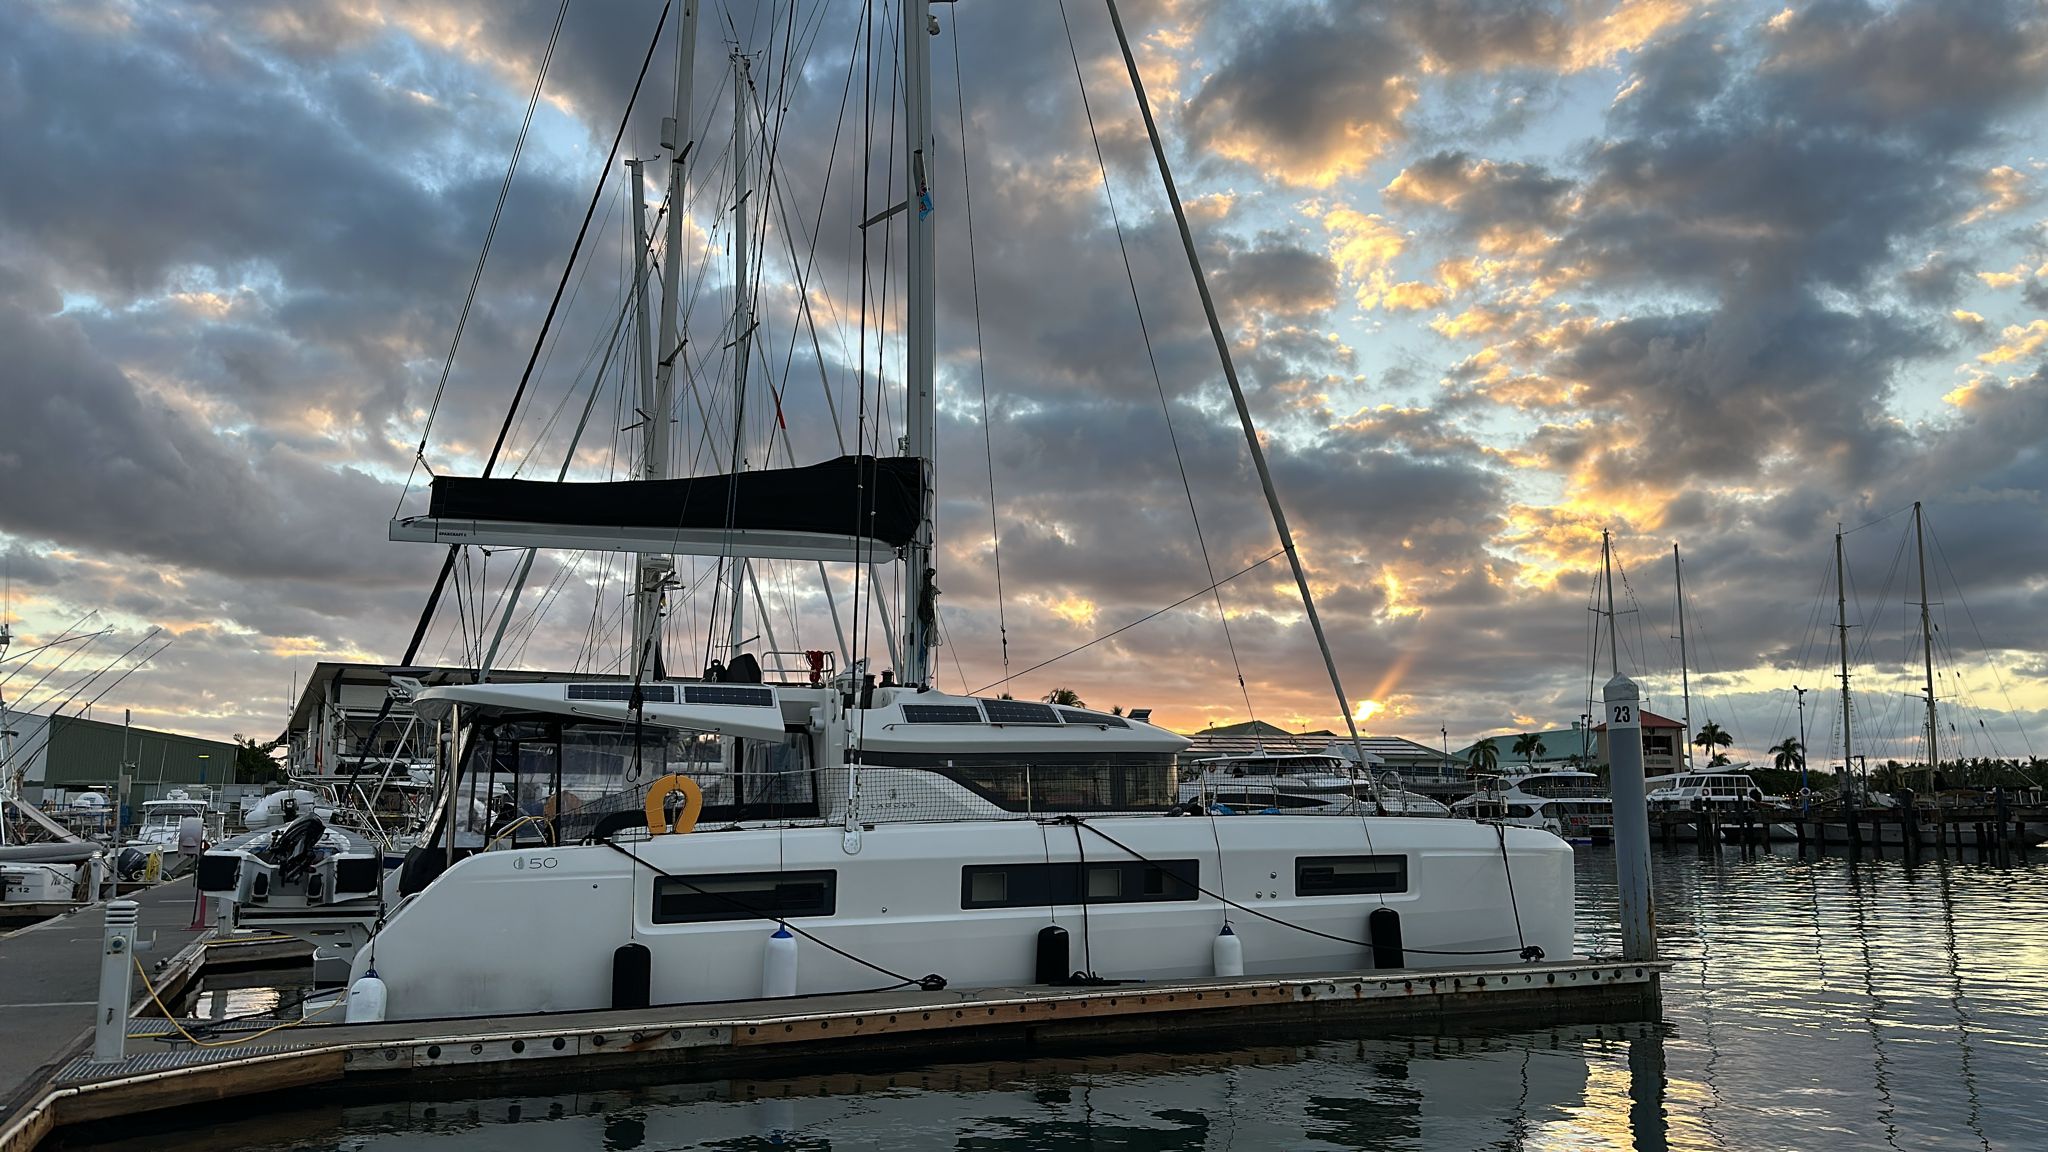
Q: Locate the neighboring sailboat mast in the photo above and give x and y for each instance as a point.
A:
(1244, 413)
(1842, 628)
(1684, 668)
(1927, 648)
(1607, 568)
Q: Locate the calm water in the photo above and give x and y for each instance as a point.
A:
(1813, 1005)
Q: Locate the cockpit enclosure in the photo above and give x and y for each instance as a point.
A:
(565, 763)
(535, 778)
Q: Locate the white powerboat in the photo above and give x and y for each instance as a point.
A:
(1301, 783)
(1567, 803)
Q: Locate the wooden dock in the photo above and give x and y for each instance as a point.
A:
(165, 1071)
(1983, 832)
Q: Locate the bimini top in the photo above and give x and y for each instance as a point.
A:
(749, 711)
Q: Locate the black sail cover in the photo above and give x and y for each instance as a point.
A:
(871, 496)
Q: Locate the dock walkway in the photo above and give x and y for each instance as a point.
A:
(693, 1041)
(50, 978)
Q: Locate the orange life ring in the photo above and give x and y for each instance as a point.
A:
(657, 805)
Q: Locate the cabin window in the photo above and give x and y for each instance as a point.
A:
(1349, 875)
(1657, 744)
(1025, 885)
(1062, 781)
(744, 896)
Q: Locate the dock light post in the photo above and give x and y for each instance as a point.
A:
(117, 964)
(1623, 701)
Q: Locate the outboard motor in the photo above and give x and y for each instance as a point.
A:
(294, 848)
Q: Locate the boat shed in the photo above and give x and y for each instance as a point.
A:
(68, 754)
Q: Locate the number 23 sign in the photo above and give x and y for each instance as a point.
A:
(1623, 716)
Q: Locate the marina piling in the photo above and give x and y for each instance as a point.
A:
(1623, 701)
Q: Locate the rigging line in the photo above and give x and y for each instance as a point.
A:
(1197, 593)
(600, 344)
(930, 983)
(995, 535)
(1526, 948)
(1879, 520)
(64, 637)
(2011, 709)
(1152, 360)
(419, 631)
(490, 233)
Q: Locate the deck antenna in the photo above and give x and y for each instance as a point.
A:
(1926, 646)
(1684, 671)
(1842, 629)
(1244, 412)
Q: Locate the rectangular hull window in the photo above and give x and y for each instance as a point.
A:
(1120, 882)
(1349, 875)
(744, 896)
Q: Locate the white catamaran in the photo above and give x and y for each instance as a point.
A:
(619, 843)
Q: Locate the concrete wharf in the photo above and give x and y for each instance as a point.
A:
(163, 1070)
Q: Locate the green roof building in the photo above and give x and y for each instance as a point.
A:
(76, 754)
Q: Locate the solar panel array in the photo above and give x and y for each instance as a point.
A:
(623, 692)
(1019, 712)
(942, 713)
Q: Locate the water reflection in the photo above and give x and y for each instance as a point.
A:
(1813, 1003)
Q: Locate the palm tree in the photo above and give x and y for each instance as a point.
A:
(1484, 759)
(1066, 696)
(1529, 746)
(1788, 755)
(1713, 739)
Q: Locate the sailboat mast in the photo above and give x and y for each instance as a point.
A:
(1684, 670)
(742, 320)
(921, 352)
(1244, 412)
(1607, 568)
(1926, 647)
(1842, 628)
(651, 569)
(653, 427)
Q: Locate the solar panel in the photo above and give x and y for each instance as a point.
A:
(1019, 712)
(649, 693)
(1082, 716)
(728, 694)
(942, 713)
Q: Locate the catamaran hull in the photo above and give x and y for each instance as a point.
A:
(536, 930)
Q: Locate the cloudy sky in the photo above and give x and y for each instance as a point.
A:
(1498, 274)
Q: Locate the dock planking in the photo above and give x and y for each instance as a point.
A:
(714, 1040)
(49, 982)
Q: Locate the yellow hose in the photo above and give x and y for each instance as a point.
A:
(196, 1041)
